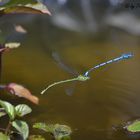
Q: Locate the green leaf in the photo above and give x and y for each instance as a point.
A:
(36, 137)
(134, 126)
(42, 126)
(62, 132)
(59, 131)
(4, 137)
(22, 110)
(22, 128)
(9, 108)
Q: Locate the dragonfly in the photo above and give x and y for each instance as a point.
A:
(84, 77)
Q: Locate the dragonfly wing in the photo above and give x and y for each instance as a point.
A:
(60, 62)
(70, 90)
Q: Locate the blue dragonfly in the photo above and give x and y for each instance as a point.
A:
(85, 76)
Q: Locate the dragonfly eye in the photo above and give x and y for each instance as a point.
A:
(126, 56)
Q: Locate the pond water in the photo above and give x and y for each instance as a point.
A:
(92, 108)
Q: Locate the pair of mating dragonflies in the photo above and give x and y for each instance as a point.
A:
(85, 76)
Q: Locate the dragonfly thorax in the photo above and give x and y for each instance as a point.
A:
(82, 78)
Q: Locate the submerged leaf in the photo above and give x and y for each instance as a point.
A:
(9, 108)
(22, 110)
(4, 137)
(21, 91)
(133, 127)
(61, 131)
(43, 126)
(58, 131)
(22, 128)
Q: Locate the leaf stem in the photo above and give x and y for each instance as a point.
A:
(8, 128)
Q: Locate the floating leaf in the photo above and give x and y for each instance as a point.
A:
(133, 127)
(2, 112)
(21, 91)
(43, 126)
(61, 131)
(12, 45)
(22, 128)
(4, 137)
(22, 110)
(9, 108)
(58, 131)
(36, 137)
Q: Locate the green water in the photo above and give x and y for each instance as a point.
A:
(108, 99)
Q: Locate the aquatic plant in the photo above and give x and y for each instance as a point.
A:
(133, 126)
(13, 113)
(59, 132)
(16, 127)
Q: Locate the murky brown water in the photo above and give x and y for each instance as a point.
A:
(109, 98)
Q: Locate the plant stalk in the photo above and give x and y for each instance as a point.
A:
(8, 128)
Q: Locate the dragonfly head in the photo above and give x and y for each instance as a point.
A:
(126, 56)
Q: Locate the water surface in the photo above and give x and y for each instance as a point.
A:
(109, 98)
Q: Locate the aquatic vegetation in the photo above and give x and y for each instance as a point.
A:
(58, 131)
(15, 126)
(13, 113)
(133, 127)
(85, 76)
(4, 137)
(22, 6)
(14, 88)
